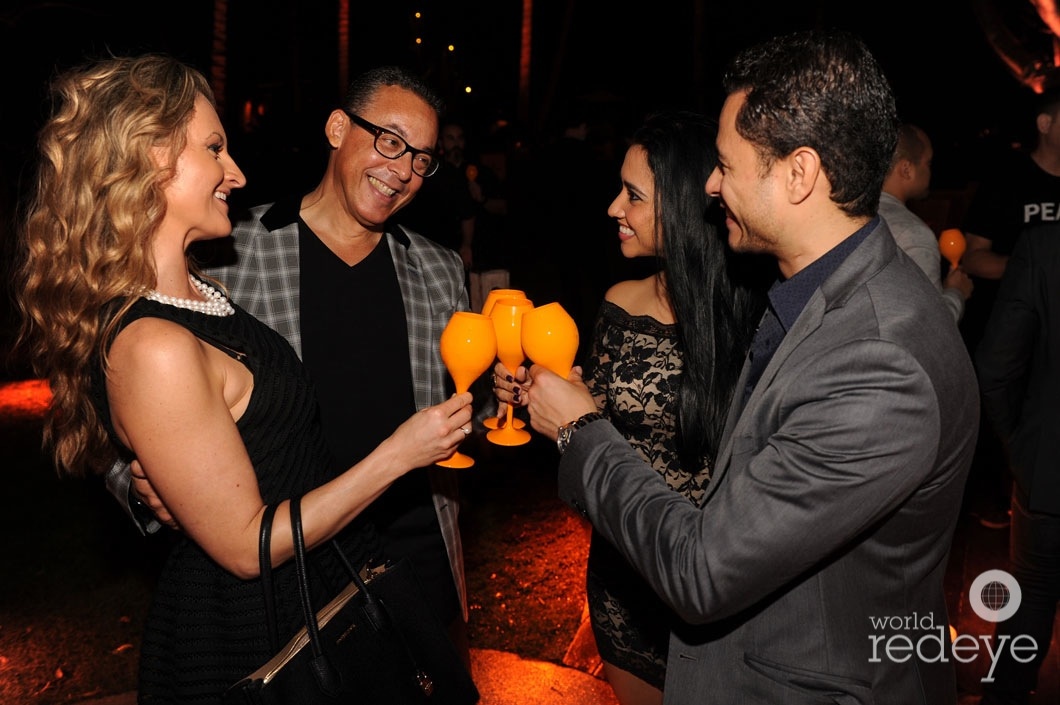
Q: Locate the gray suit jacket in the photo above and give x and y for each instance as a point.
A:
(264, 280)
(832, 507)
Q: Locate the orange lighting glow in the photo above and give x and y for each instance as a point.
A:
(27, 399)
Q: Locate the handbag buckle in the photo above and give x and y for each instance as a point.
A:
(371, 571)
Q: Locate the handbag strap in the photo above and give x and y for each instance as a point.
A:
(265, 565)
(323, 670)
(302, 574)
(372, 608)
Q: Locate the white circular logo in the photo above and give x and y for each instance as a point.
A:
(995, 595)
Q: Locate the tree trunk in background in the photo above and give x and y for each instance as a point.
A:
(557, 67)
(218, 54)
(524, 61)
(344, 46)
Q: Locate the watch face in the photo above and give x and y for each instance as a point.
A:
(563, 438)
(566, 431)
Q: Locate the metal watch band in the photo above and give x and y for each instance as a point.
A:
(566, 431)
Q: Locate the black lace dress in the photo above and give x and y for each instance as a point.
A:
(633, 373)
(206, 627)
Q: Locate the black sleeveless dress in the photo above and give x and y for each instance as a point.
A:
(206, 628)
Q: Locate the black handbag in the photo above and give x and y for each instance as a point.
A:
(377, 641)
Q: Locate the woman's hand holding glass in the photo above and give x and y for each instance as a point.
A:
(433, 434)
(507, 316)
(493, 297)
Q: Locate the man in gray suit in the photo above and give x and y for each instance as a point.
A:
(363, 302)
(813, 572)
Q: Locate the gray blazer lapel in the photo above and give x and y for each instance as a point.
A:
(422, 338)
(862, 263)
(736, 406)
(739, 412)
(281, 284)
(265, 279)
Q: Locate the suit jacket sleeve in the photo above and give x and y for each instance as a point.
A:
(855, 432)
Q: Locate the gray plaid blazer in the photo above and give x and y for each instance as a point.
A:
(264, 280)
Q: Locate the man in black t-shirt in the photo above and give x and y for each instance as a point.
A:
(1023, 191)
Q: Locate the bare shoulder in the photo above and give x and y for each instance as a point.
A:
(640, 297)
(154, 348)
(627, 293)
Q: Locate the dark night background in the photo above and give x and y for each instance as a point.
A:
(282, 57)
(284, 54)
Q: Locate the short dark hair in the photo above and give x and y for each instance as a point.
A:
(363, 88)
(824, 90)
(912, 143)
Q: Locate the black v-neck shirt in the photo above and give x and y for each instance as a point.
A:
(355, 346)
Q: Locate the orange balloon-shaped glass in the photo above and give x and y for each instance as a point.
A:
(495, 294)
(952, 245)
(468, 346)
(487, 307)
(507, 314)
(550, 337)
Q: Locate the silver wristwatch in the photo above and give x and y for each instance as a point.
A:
(566, 431)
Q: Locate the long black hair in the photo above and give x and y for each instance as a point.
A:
(714, 292)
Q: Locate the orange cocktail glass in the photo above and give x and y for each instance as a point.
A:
(468, 346)
(952, 246)
(507, 314)
(495, 294)
(487, 306)
(550, 338)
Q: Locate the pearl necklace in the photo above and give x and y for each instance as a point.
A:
(215, 304)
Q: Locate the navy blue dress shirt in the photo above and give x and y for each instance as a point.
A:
(787, 299)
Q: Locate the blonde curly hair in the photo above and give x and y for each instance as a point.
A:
(85, 238)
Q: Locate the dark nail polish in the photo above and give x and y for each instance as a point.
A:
(516, 399)
(515, 391)
(509, 378)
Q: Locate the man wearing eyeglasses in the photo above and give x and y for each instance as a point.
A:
(364, 302)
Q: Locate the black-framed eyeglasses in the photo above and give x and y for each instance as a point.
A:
(392, 146)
